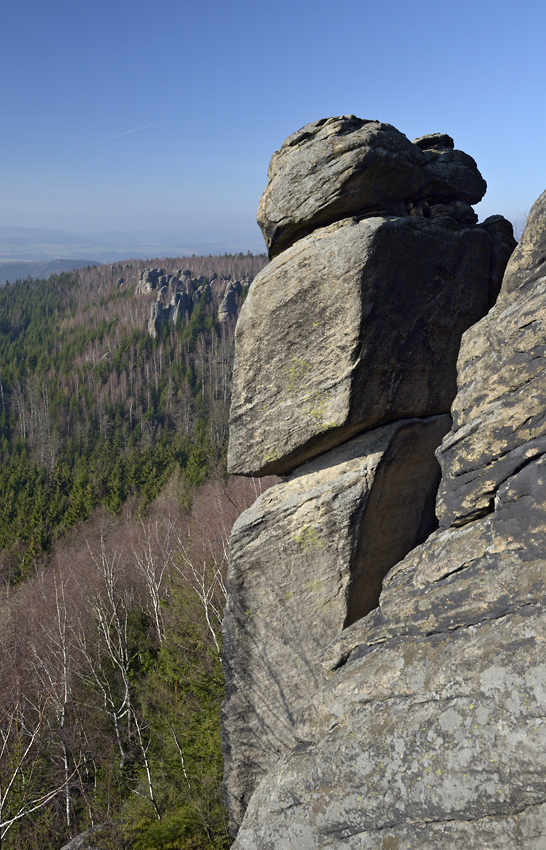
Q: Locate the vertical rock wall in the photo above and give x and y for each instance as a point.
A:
(306, 560)
(345, 372)
(430, 731)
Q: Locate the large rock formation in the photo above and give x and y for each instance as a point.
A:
(332, 531)
(179, 293)
(356, 325)
(353, 329)
(499, 414)
(430, 732)
(359, 322)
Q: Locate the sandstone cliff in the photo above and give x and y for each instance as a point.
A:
(346, 348)
(430, 732)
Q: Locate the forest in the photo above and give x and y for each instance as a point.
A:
(115, 511)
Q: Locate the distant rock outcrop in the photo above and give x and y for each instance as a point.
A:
(354, 328)
(147, 280)
(177, 295)
(228, 305)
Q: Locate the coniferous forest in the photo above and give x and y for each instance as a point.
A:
(115, 509)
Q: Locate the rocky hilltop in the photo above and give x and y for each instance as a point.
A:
(385, 676)
(179, 292)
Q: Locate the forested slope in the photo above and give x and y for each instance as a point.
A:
(93, 409)
(114, 516)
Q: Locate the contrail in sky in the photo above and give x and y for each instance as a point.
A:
(127, 133)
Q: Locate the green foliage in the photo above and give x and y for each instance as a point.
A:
(180, 698)
(94, 411)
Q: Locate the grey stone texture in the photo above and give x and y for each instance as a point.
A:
(430, 731)
(307, 559)
(346, 165)
(502, 248)
(384, 694)
(88, 840)
(354, 326)
(499, 420)
(228, 306)
(148, 280)
(178, 294)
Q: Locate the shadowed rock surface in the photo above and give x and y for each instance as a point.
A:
(357, 325)
(431, 731)
(88, 840)
(305, 560)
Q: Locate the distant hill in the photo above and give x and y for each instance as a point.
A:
(31, 243)
(20, 270)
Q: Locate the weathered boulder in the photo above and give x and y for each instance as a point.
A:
(502, 248)
(148, 280)
(448, 174)
(343, 166)
(88, 840)
(499, 421)
(430, 732)
(356, 325)
(307, 559)
(333, 168)
(529, 262)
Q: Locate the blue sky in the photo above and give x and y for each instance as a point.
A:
(124, 115)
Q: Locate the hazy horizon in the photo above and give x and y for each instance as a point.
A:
(147, 115)
(42, 244)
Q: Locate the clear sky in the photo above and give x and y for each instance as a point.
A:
(125, 114)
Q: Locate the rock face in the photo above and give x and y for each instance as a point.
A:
(147, 280)
(333, 530)
(436, 738)
(179, 293)
(345, 166)
(228, 305)
(378, 269)
(499, 422)
(356, 325)
(84, 841)
(430, 731)
(354, 720)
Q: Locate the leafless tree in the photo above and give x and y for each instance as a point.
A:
(23, 740)
(110, 605)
